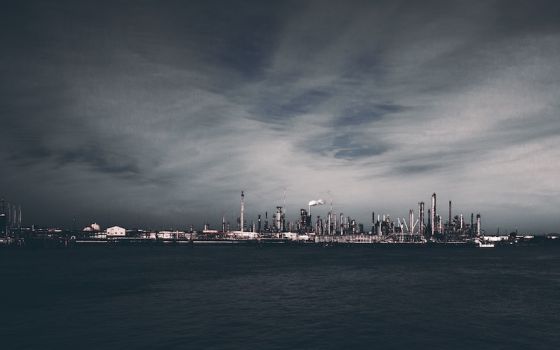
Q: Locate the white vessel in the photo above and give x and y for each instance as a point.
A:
(483, 244)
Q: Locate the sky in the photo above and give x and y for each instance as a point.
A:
(159, 113)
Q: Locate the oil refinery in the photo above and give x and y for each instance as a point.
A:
(333, 228)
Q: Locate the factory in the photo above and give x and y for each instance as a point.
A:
(418, 227)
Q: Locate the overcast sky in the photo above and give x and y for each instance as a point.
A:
(158, 113)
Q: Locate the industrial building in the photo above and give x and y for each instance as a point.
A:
(307, 227)
(116, 231)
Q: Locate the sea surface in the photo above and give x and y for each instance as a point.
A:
(280, 297)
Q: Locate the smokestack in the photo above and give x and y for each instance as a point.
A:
(266, 221)
(313, 203)
(278, 220)
(422, 227)
(3, 217)
(411, 221)
(14, 216)
(19, 217)
(430, 219)
(461, 221)
(433, 214)
(478, 225)
(449, 213)
(242, 210)
(9, 216)
(13, 219)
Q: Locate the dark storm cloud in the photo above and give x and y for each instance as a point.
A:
(416, 169)
(356, 152)
(272, 110)
(348, 147)
(112, 163)
(363, 114)
(158, 104)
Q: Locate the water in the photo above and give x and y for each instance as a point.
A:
(280, 297)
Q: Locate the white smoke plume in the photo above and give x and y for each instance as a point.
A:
(316, 202)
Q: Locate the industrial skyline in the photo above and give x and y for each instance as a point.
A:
(333, 223)
(310, 227)
(148, 114)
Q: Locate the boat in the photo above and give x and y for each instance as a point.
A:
(483, 244)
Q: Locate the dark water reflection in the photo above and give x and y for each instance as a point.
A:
(280, 297)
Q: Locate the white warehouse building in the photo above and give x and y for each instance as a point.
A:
(116, 231)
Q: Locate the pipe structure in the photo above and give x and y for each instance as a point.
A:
(333, 223)
(411, 221)
(242, 210)
(422, 227)
(278, 219)
(14, 216)
(430, 223)
(433, 214)
(478, 230)
(266, 221)
(8, 217)
(449, 222)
